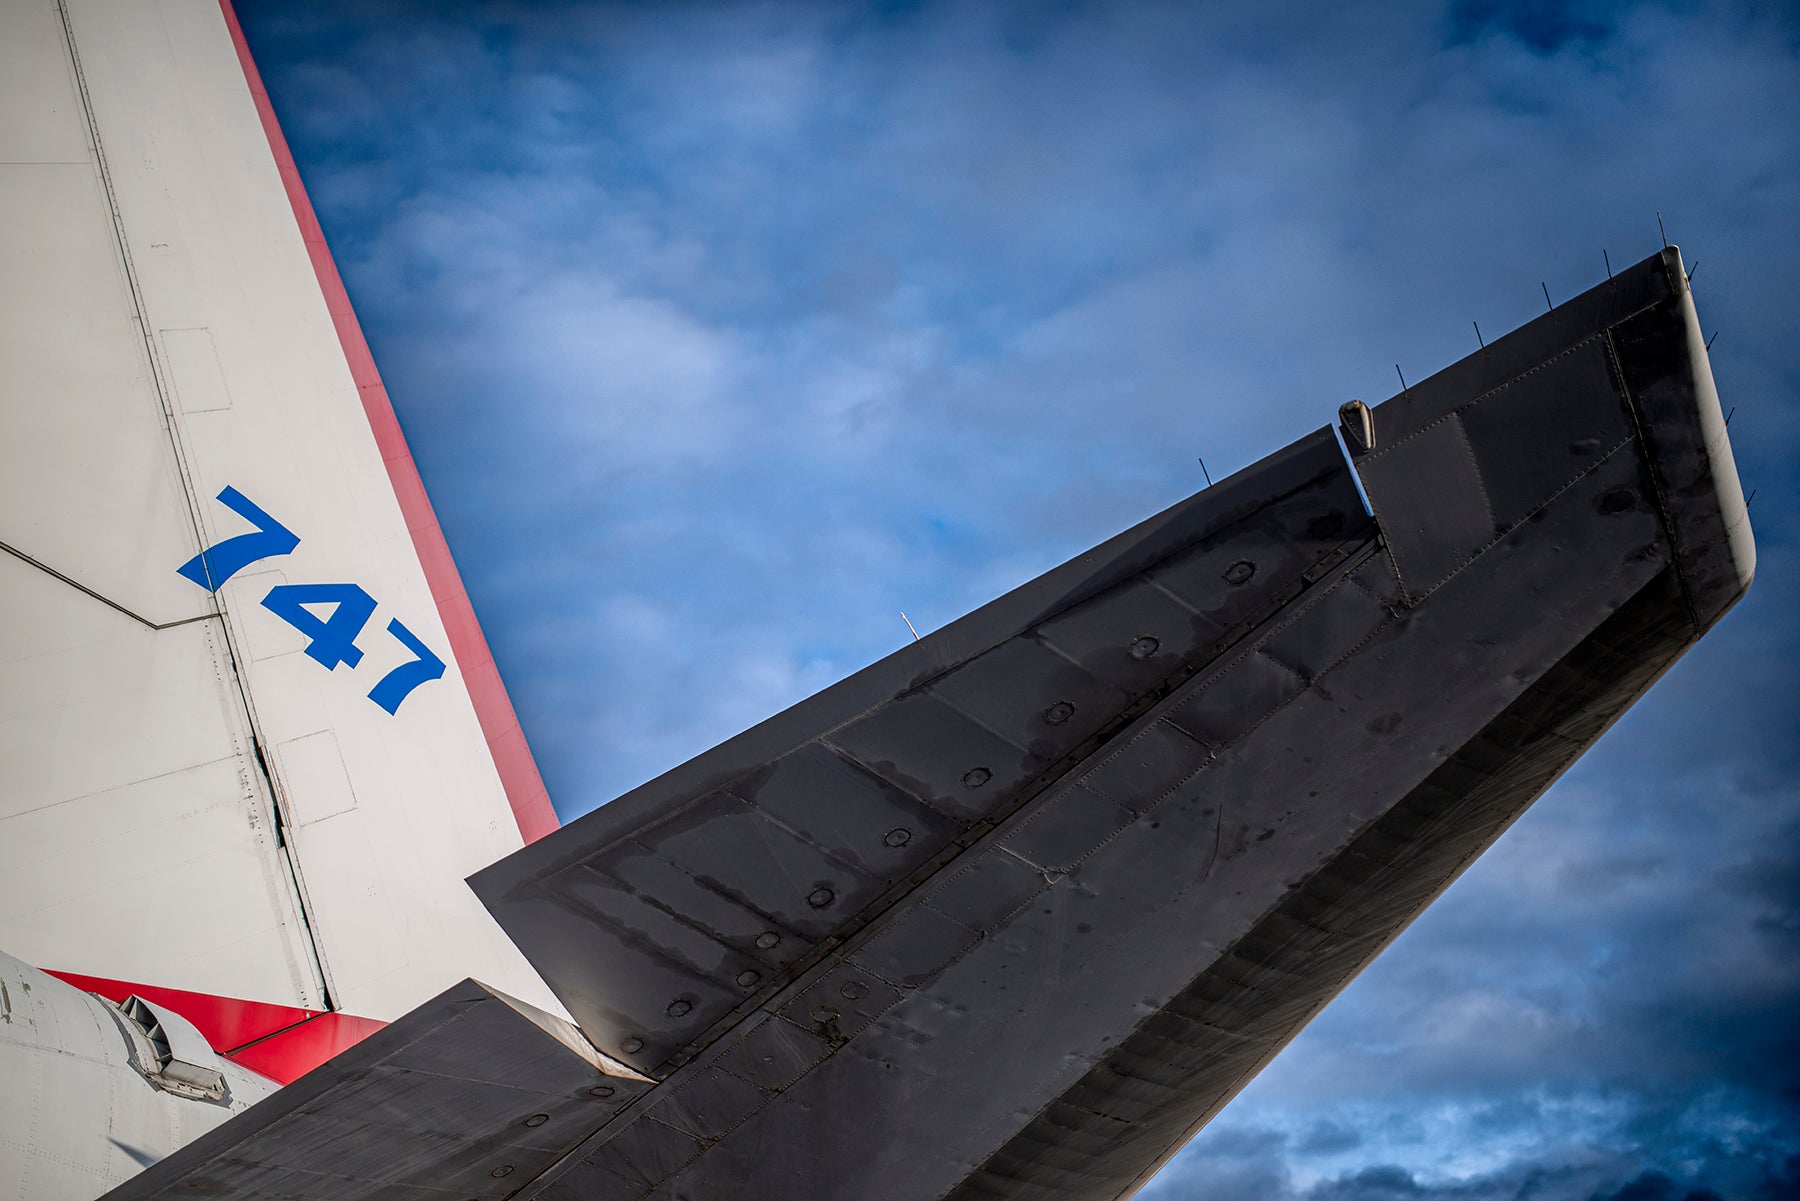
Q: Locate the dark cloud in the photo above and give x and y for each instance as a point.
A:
(1543, 25)
(723, 333)
(1229, 1164)
(1654, 1186)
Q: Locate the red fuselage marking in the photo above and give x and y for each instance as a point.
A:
(281, 1042)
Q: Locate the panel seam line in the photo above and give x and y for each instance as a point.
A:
(50, 571)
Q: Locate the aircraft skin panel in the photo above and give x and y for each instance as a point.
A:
(78, 1112)
(132, 804)
(1232, 754)
(251, 763)
(397, 1125)
(72, 357)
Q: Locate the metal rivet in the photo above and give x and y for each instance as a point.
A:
(1143, 648)
(820, 898)
(975, 777)
(1058, 713)
(746, 979)
(899, 836)
(602, 1091)
(679, 1008)
(504, 1169)
(632, 1046)
(767, 939)
(824, 1013)
(855, 990)
(537, 1119)
(1240, 572)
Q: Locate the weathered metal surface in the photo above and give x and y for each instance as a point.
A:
(1643, 322)
(1016, 977)
(1013, 912)
(468, 1096)
(665, 918)
(1074, 995)
(1663, 358)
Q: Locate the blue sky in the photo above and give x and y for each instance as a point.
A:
(722, 334)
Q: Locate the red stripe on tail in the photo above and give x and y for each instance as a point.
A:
(525, 790)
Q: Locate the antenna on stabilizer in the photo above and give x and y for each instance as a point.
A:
(1204, 471)
(909, 625)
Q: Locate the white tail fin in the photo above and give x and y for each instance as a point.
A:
(253, 737)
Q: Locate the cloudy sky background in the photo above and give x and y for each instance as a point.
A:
(724, 334)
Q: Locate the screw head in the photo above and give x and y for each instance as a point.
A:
(824, 1013)
(747, 979)
(1058, 713)
(602, 1091)
(679, 1007)
(899, 836)
(632, 1046)
(767, 939)
(975, 777)
(1240, 572)
(820, 897)
(537, 1119)
(854, 990)
(1142, 648)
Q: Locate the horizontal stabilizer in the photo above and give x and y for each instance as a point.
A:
(704, 893)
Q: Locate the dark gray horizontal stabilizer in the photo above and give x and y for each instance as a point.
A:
(668, 916)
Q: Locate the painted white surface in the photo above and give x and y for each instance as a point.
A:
(137, 834)
(136, 840)
(87, 484)
(76, 1117)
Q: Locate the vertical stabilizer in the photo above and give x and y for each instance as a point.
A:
(254, 740)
